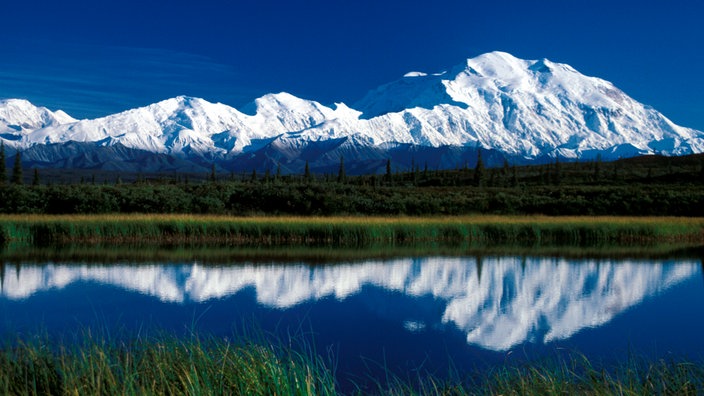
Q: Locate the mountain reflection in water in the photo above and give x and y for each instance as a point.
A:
(498, 302)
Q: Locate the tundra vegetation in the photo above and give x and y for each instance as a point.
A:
(644, 186)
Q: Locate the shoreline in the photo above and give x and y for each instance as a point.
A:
(351, 231)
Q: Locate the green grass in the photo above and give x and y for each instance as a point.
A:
(165, 365)
(194, 366)
(569, 376)
(41, 230)
(218, 254)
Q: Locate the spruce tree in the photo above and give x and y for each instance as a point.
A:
(558, 172)
(306, 172)
(35, 178)
(17, 169)
(597, 168)
(388, 171)
(479, 170)
(213, 174)
(341, 174)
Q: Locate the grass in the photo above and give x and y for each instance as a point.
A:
(225, 253)
(166, 365)
(41, 230)
(169, 365)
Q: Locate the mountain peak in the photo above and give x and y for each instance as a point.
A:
(523, 110)
(19, 115)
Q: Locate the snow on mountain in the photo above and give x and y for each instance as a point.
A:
(19, 117)
(525, 110)
(498, 303)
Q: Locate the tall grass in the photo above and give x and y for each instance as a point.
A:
(216, 254)
(168, 365)
(351, 231)
(194, 366)
(573, 375)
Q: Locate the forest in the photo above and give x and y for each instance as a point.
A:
(641, 186)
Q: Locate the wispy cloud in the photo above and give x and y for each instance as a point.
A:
(90, 81)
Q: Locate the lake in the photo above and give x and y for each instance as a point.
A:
(404, 315)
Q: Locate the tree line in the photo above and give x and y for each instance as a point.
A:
(640, 186)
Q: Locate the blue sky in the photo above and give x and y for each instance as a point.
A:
(92, 58)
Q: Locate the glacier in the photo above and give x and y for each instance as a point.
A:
(523, 111)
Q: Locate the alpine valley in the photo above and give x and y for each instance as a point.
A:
(521, 111)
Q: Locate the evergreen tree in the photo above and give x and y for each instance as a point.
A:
(615, 174)
(479, 170)
(514, 176)
(492, 177)
(17, 169)
(416, 175)
(557, 179)
(278, 172)
(387, 177)
(3, 168)
(341, 174)
(213, 175)
(597, 168)
(306, 172)
(35, 178)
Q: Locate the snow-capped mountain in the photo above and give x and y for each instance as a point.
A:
(19, 117)
(521, 110)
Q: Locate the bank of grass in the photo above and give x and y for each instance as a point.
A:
(218, 254)
(351, 231)
(164, 366)
(573, 375)
(169, 365)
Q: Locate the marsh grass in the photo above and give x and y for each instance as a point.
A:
(197, 365)
(164, 365)
(42, 230)
(218, 254)
(571, 375)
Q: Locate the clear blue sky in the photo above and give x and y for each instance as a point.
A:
(92, 58)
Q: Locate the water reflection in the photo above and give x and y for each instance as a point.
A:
(498, 302)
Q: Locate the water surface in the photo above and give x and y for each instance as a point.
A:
(406, 315)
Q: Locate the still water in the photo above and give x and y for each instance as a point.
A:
(403, 315)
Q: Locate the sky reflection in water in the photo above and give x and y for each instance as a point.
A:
(491, 305)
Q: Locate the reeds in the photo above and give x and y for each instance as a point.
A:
(167, 365)
(571, 375)
(347, 231)
(170, 365)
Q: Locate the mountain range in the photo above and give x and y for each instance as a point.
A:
(509, 109)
